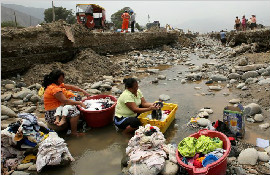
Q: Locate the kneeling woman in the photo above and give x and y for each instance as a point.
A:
(129, 105)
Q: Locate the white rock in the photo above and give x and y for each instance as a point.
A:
(203, 122)
(203, 114)
(107, 77)
(240, 86)
(17, 102)
(115, 90)
(170, 168)
(106, 86)
(252, 109)
(234, 101)
(248, 156)
(183, 81)
(94, 91)
(264, 81)
(96, 85)
(263, 156)
(164, 97)
(20, 173)
(4, 117)
(152, 70)
(197, 88)
(258, 118)
(24, 166)
(216, 88)
(233, 76)
(161, 77)
(267, 150)
(233, 81)
(264, 126)
(209, 111)
(244, 88)
(250, 120)
(7, 111)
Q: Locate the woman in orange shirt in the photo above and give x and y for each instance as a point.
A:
(54, 96)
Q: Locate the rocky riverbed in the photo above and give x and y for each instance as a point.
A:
(241, 70)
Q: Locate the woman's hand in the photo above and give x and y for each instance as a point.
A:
(83, 105)
(154, 107)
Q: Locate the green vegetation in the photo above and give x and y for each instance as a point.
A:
(60, 13)
(10, 24)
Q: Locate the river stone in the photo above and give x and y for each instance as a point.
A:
(161, 77)
(24, 166)
(252, 109)
(251, 67)
(183, 81)
(196, 76)
(30, 109)
(264, 126)
(115, 90)
(107, 77)
(267, 150)
(258, 118)
(240, 86)
(106, 86)
(152, 70)
(251, 80)
(217, 88)
(38, 86)
(20, 84)
(17, 102)
(265, 73)
(243, 62)
(32, 168)
(203, 122)
(249, 119)
(248, 156)
(218, 78)
(4, 82)
(108, 81)
(263, 156)
(239, 171)
(170, 168)
(264, 81)
(244, 88)
(6, 97)
(35, 99)
(209, 111)
(4, 117)
(20, 173)
(234, 76)
(22, 93)
(164, 97)
(203, 114)
(96, 85)
(234, 101)
(249, 74)
(9, 86)
(7, 111)
(233, 81)
(93, 91)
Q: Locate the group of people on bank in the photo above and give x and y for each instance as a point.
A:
(244, 23)
(128, 18)
(57, 96)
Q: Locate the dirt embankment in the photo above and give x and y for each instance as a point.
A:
(60, 42)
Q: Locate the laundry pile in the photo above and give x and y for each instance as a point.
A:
(202, 151)
(147, 151)
(98, 104)
(25, 135)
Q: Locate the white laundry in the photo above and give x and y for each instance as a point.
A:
(163, 117)
(97, 104)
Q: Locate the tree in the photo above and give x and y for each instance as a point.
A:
(116, 17)
(60, 13)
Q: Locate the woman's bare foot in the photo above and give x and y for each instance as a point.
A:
(63, 121)
(56, 122)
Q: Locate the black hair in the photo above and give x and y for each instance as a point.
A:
(52, 77)
(129, 82)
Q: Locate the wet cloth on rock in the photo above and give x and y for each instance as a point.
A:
(50, 151)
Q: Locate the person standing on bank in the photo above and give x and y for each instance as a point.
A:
(54, 96)
(125, 16)
(132, 20)
(129, 105)
(244, 24)
(223, 37)
(253, 24)
(237, 23)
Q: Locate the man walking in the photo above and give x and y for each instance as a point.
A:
(223, 37)
(132, 20)
(125, 16)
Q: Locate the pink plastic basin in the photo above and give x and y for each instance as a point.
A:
(216, 168)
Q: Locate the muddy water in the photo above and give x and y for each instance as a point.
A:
(101, 150)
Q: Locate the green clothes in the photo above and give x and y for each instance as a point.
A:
(125, 97)
(189, 146)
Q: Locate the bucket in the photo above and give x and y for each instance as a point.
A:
(99, 118)
(216, 168)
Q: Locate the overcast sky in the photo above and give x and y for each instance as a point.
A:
(202, 16)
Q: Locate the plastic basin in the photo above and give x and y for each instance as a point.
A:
(216, 168)
(99, 118)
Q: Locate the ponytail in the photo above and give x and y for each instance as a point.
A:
(52, 77)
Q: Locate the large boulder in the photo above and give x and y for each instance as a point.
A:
(234, 76)
(264, 126)
(252, 109)
(23, 93)
(7, 111)
(203, 122)
(218, 78)
(258, 117)
(263, 156)
(264, 81)
(240, 85)
(6, 97)
(250, 74)
(248, 156)
(96, 85)
(10, 86)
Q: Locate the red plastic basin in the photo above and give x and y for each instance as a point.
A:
(216, 168)
(99, 118)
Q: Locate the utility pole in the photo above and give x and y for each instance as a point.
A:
(15, 19)
(30, 20)
(53, 12)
